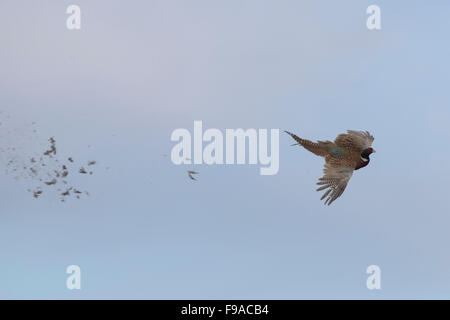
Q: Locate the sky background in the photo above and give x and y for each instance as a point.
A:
(138, 70)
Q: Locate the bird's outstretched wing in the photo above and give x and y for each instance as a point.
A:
(360, 140)
(335, 179)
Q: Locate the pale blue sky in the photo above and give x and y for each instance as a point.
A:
(138, 70)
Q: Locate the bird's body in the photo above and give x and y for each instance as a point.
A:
(350, 151)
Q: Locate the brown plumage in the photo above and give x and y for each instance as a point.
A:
(350, 151)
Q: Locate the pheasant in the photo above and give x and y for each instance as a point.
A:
(350, 151)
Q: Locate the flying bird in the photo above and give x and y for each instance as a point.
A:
(190, 174)
(350, 151)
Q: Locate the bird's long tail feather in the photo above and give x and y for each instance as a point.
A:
(319, 148)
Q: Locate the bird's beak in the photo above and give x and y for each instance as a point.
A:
(373, 151)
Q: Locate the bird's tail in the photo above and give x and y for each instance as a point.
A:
(319, 148)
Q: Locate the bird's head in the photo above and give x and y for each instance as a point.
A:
(366, 153)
